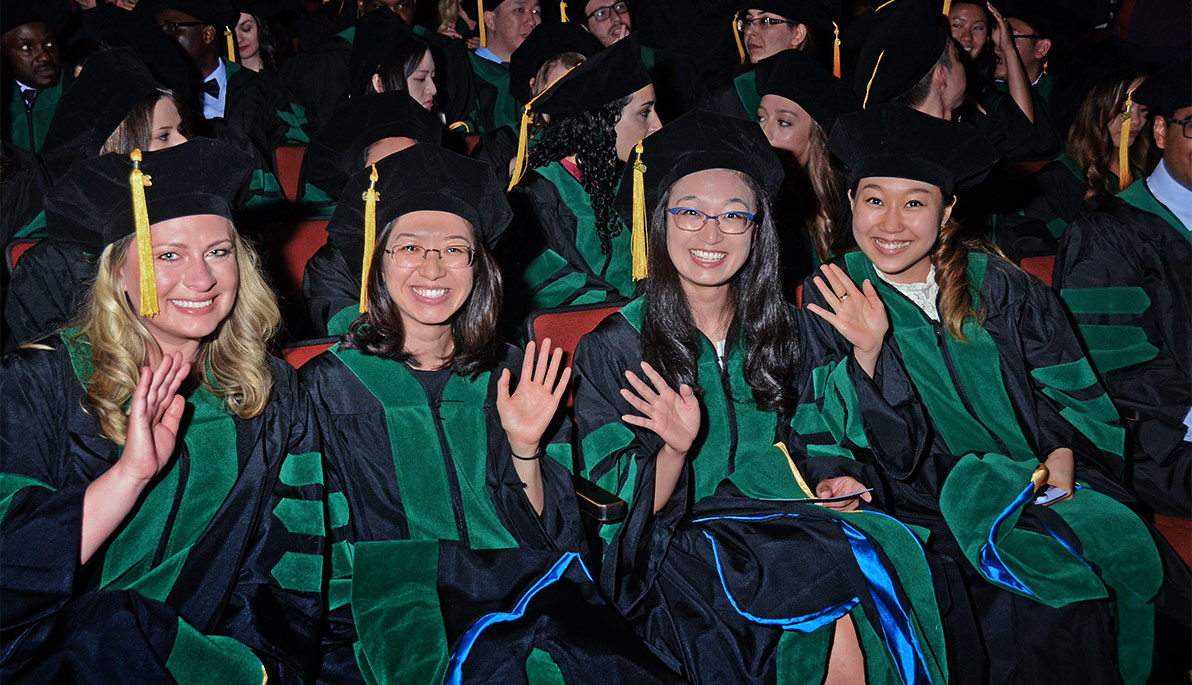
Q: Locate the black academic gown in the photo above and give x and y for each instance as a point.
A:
(709, 581)
(1051, 199)
(434, 537)
(997, 406)
(216, 575)
(318, 79)
(1125, 274)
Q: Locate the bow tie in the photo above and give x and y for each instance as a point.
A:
(211, 88)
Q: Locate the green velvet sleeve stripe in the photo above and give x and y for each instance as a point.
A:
(605, 443)
(339, 590)
(1119, 300)
(11, 483)
(302, 469)
(1071, 376)
(1057, 227)
(395, 604)
(35, 228)
(197, 659)
(300, 516)
(299, 572)
(1116, 347)
(543, 267)
(840, 416)
(337, 510)
(294, 116)
(558, 292)
(560, 452)
(1093, 418)
(590, 297)
(264, 189)
(541, 669)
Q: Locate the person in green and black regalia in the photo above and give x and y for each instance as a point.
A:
(456, 498)
(363, 131)
(680, 398)
(504, 24)
(763, 29)
(163, 512)
(32, 67)
(598, 111)
(114, 105)
(1017, 473)
(800, 101)
(1125, 273)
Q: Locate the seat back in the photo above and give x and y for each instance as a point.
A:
(565, 326)
(303, 242)
(1042, 267)
(300, 352)
(289, 169)
(17, 248)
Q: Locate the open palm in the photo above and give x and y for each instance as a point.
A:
(673, 416)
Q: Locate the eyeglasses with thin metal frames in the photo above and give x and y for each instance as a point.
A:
(730, 223)
(411, 256)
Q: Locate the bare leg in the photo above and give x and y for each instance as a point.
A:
(846, 663)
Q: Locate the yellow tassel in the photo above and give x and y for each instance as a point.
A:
(836, 50)
(637, 239)
(563, 11)
(947, 7)
(458, 125)
(1124, 178)
(480, 22)
(231, 44)
(865, 102)
(737, 37)
(523, 135)
(140, 213)
(370, 198)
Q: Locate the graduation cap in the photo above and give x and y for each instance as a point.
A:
(113, 82)
(378, 34)
(576, 11)
(104, 199)
(693, 142)
(52, 13)
(798, 77)
(219, 13)
(820, 15)
(337, 149)
(481, 7)
(902, 41)
(1168, 90)
(421, 178)
(613, 73)
(545, 42)
(896, 141)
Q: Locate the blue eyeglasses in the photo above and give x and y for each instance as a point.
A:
(692, 219)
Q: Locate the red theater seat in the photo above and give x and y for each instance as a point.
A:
(303, 242)
(17, 248)
(289, 168)
(1040, 266)
(303, 351)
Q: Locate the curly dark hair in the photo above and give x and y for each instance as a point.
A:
(762, 319)
(592, 138)
(379, 331)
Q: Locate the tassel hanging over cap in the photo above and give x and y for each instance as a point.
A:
(563, 11)
(836, 50)
(370, 198)
(523, 136)
(480, 23)
(1124, 178)
(865, 102)
(140, 213)
(637, 239)
(737, 37)
(231, 44)
(947, 7)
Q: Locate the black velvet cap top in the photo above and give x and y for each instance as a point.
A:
(52, 13)
(423, 177)
(219, 13)
(111, 84)
(92, 204)
(899, 142)
(900, 43)
(796, 76)
(337, 149)
(817, 14)
(1168, 90)
(378, 34)
(610, 75)
(545, 42)
(697, 141)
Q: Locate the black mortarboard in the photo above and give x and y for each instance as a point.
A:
(900, 43)
(52, 13)
(818, 14)
(336, 149)
(576, 11)
(482, 6)
(545, 42)
(1168, 90)
(796, 76)
(896, 141)
(611, 74)
(1046, 17)
(111, 84)
(106, 198)
(266, 9)
(219, 13)
(378, 35)
(694, 142)
(421, 178)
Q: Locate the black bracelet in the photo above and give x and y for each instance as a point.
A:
(537, 455)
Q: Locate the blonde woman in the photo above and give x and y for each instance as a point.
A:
(162, 515)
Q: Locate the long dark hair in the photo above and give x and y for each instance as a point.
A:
(761, 316)
(400, 63)
(592, 138)
(1092, 148)
(379, 331)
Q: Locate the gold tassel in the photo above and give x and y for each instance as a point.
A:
(637, 240)
(836, 50)
(1124, 179)
(563, 11)
(865, 102)
(460, 124)
(480, 22)
(140, 213)
(370, 198)
(737, 37)
(523, 135)
(1040, 476)
(947, 7)
(231, 44)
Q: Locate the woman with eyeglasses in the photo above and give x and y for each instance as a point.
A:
(449, 496)
(598, 111)
(680, 399)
